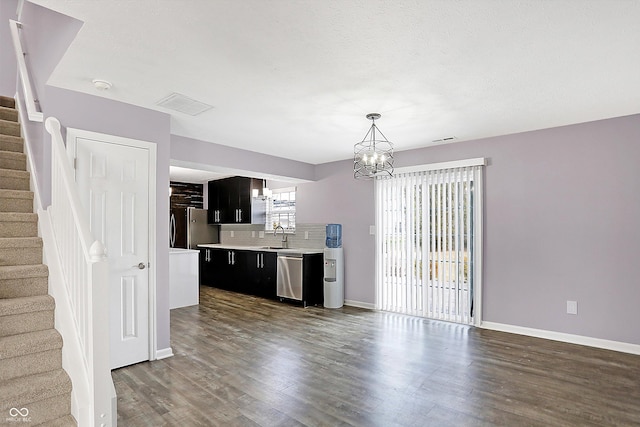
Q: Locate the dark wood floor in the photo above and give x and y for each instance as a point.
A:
(246, 361)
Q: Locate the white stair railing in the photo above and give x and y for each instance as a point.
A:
(85, 270)
(29, 97)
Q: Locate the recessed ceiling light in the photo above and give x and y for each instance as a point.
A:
(102, 84)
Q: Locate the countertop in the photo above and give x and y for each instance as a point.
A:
(303, 251)
(182, 251)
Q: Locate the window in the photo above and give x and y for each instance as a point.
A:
(281, 210)
(428, 245)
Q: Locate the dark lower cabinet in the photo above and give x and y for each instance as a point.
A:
(312, 279)
(249, 272)
(261, 274)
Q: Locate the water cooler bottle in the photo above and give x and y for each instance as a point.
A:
(333, 268)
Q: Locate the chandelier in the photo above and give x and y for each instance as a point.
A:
(373, 158)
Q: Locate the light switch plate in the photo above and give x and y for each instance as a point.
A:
(253, 234)
(231, 233)
(372, 230)
(261, 234)
(572, 307)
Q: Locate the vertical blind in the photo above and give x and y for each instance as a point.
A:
(428, 242)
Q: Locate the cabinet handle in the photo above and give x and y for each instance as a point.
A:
(239, 215)
(233, 258)
(229, 257)
(261, 260)
(258, 260)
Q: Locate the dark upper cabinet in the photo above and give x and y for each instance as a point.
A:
(230, 201)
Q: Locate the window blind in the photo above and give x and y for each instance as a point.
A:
(281, 209)
(428, 242)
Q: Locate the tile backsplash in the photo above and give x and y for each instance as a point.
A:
(250, 235)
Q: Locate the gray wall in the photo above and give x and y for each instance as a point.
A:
(7, 57)
(92, 113)
(561, 223)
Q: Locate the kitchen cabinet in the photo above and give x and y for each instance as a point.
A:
(183, 278)
(230, 201)
(261, 274)
(254, 271)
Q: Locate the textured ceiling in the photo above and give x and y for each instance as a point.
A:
(295, 78)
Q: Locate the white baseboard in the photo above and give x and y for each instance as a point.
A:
(163, 353)
(360, 304)
(561, 336)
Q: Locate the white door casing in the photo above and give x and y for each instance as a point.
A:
(116, 179)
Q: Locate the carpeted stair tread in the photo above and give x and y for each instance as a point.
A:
(23, 280)
(20, 250)
(66, 421)
(28, 343)
(14, 306)
(18, 217)
(13, 160)
(18, 224)
(8, 272)
(10, 114)
(11, 143)
(8, 102)
(16, 201)
(8, 127)
(14, 180)
(20, 242)
(33, 388)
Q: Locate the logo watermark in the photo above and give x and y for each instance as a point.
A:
(18, 415)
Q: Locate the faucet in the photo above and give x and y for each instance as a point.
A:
(285, 243)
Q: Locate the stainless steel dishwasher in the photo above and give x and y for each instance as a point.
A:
(289, 282)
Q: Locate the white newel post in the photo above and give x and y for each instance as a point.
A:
(99, 346)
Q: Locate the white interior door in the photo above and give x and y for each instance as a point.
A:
(114, 185)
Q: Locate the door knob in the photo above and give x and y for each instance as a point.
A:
(141, 266)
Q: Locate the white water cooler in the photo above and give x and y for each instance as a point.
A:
(334, 268)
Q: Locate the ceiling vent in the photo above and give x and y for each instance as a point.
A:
(447, 139)
(184, 104)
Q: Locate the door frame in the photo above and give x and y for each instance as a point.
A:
(72, 135)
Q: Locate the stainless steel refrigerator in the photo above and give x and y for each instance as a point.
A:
(188, 228)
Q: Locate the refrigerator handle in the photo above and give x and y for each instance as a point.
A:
(172, 230)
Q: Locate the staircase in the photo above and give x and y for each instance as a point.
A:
(34, 389)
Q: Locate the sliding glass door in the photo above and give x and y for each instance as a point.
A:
(428, 242)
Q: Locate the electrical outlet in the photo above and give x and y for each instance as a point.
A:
(232, 233)
(572, 307)
(306, 235)
(253, 234)
(372, 230)
(261, 234)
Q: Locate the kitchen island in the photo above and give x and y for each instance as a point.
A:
(183, 277)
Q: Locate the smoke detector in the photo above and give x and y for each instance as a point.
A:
(102, 84)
